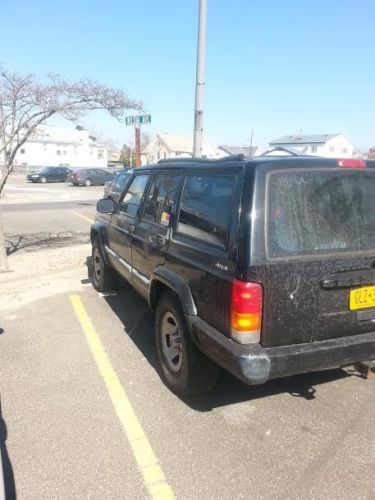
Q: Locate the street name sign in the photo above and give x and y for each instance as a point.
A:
(138, 120)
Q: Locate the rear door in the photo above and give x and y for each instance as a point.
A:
(60, 174)
(102, 177)
(96, 176)
(320, 244)
(52, 174)
(151, 234)
(65, 174)
(203, 246)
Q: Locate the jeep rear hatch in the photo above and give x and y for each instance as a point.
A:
(320, 242)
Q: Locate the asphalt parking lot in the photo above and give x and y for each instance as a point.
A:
(84, 413)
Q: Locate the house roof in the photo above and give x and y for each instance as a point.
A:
(239, 150)
(289, 150)
(50, 133)
(176, 143)
(303, 139)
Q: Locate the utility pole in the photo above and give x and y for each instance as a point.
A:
(137, 121)
(137, 129)
(200, 83)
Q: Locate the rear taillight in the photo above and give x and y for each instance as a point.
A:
(352, 163)
(246, 311)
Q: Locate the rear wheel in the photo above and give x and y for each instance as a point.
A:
(43, 180)
(88, 182)
(104, 277)
(185, 369)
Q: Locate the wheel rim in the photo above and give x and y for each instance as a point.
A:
(88, 182)
(97, 268)
(44, 180)
(171, 342)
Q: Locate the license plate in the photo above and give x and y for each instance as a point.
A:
(363, 297)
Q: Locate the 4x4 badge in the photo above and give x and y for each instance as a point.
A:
(221, 266)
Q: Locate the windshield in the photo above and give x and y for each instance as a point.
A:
(320, 212)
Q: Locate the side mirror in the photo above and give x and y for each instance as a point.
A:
(105, 206)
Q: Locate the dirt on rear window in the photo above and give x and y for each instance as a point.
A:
(314, 212)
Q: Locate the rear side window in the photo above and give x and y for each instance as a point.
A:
(205, 208)
(160, 199)
(320, 212)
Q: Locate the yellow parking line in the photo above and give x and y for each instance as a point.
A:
(148, 464)
(84, 217)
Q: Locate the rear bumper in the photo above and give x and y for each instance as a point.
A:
(254, 364)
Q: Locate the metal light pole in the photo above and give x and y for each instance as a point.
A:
(199, 86)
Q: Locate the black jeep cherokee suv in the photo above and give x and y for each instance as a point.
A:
(264, 266)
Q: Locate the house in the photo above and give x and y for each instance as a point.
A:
(239, 150)
(58, 146)
(328, 145)
(164, 146)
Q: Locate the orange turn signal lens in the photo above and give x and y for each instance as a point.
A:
(245, 322)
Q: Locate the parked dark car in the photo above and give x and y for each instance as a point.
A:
(114, 188)
(90, 177)
(49, 174)
(265, 267)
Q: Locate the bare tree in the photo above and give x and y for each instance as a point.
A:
(27, 101)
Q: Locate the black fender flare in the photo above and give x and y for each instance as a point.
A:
(177, 284)
(98, 230)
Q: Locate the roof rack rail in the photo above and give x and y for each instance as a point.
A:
(238, 157)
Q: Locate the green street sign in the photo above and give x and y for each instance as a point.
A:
(138, 120)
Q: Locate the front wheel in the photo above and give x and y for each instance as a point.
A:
(185, 369)
(43, 180)
(104, 277)
(88, 182)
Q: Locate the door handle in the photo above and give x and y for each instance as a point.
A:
(158, 239)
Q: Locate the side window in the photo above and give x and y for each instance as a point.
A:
(205, 208)
(160, 199)
(120, 182)
(133, 196)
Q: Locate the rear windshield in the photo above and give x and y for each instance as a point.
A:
(320, 212)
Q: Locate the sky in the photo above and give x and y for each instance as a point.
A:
(273, 67)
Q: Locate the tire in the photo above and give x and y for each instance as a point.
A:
(88, 182)
(184, 369)
(43, 180)
(104, 278)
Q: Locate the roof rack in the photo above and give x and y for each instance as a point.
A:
(238, 157)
